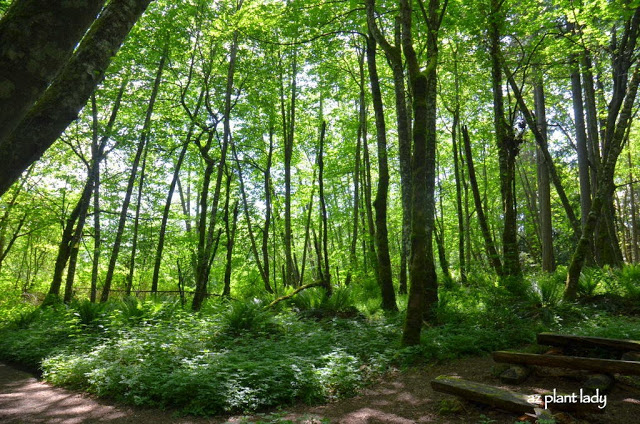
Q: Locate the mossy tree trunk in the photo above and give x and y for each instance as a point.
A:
(385, 280)
(70, 90)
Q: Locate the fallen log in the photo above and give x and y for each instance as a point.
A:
(486, 394)
(293, 293)
(572, 341)
(513, 401)
(574, 362)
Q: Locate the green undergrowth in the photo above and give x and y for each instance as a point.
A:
(239, 356)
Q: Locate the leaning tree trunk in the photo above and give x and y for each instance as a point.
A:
(70, 90)
(37, 38)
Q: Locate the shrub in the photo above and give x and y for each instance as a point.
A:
(629, 280)
(247, 316)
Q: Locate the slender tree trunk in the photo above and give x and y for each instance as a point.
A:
(458, 177)
(307, 227)
(353, 258)
(230, 232)
(165, 213)
(146, 128)
(544, 188)
(66, 244)
(438, 233)
(394, 56)
(289, 126)
(175, 180)
(267, 214)
(326, 273)
(531, 123)
(382, 238)
(581, 144)
(635, 247)
(206, 256)
(136, 223)
(492, 253)
(97, 238)
(371, 228)
(606, 171)
(254, 248)
(97, 152)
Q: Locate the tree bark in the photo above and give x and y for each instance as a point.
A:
(508, 147)
(70, 90)
(326, 273)
(37, 39)
(544, 188)
(423, 294)
(393, 54)
(385, 280)
(581, 143)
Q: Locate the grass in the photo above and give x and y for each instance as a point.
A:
(237, 356)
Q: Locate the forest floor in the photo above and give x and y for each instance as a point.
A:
(400, 398)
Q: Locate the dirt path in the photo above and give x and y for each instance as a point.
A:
(401, 398)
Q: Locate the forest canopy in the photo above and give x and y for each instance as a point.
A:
(258, 149)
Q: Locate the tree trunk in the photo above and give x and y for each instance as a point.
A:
(165, 213)
(382, 239)
(423, 295)
(606, 171)
(37, 38)
(205, 255)
(544, 189)
(366, 185)
(231, 235)
(254, 248)
(146, 128)
(70, 90)
(267, 213)
(635, 248)
(393, 54)
(508, 146)
(289, 128)
(492, 253)
(353, 258)
(175, 180)
(458, 177)
(581, 144)
(136, 222)
(326, 273)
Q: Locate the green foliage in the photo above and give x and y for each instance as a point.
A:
(314, 303)
(247, 316)
(590, 280)
(233, 357)
(629, 280)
